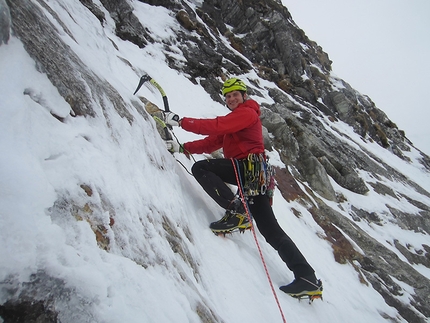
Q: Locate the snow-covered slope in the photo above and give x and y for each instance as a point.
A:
(100, 222)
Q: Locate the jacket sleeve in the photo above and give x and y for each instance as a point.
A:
(235, 121)
(206, 145)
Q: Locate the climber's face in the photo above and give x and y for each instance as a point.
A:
(234, 98)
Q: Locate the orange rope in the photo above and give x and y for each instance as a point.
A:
(239, 184)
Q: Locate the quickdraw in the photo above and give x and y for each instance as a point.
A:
(259, 176)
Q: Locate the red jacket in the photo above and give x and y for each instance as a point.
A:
(239, 133)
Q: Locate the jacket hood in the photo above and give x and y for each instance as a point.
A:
(252, 104)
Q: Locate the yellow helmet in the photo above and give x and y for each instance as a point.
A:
(233, 84)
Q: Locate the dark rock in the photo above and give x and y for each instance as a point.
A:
(5, 22)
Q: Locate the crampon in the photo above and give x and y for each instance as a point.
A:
(225, 232)
(311, 298)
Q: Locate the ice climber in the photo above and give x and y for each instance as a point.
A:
(239, 134)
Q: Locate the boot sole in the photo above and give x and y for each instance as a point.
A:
(306, 293)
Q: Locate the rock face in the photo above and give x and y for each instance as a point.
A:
(262, 38)
(4, 22)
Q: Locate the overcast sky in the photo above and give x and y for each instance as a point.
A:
(382, 49)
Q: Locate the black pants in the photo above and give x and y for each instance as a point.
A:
(212, 175)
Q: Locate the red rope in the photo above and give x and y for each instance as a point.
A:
(239, 185)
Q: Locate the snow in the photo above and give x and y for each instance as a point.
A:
(138, 184)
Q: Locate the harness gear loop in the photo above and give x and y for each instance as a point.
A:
(258, 176)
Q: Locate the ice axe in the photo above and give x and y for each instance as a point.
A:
(146, 78)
